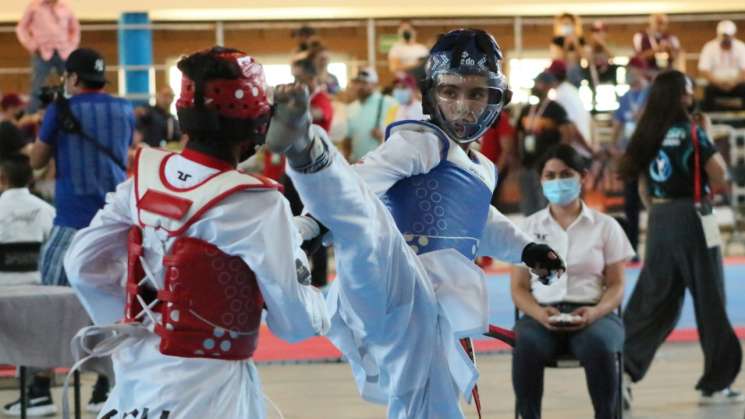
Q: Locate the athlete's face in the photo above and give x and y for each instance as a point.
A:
(462, 99)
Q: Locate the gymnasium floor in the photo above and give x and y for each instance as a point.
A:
(326, 391)
(307, 382)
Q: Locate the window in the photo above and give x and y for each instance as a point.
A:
(522, 71)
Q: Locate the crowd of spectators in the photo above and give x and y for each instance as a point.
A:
(89, 160)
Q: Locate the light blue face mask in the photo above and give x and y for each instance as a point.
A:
(562, 191)
(402, 96)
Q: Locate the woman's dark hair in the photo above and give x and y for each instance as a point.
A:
(664, 108)
(567, 154)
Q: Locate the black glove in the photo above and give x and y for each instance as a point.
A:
(541, 256)
(311, 246)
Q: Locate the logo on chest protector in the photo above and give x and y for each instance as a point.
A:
(183, 176)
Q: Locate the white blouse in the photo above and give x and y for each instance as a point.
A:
(593, 241)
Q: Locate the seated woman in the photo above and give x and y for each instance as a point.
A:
(595, 248)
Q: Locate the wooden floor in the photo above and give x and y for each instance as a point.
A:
(325, 391)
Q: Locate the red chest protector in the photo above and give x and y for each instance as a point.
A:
(211, 304)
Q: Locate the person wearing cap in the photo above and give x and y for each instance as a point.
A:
(406, 53)
(722, 64)
(656, 45)
(89, 164)
(408, 101)
(49, 31)
(539, 127)
(365, 116)
(630, 107)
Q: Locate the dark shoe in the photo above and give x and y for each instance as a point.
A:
(99, 396)
(38, 405)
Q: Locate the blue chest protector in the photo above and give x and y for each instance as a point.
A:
(446, 208)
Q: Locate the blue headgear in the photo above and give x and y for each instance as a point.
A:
(466, 52)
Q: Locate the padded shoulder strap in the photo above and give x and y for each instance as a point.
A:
(161, 205)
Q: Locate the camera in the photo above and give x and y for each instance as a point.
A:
(49, 94)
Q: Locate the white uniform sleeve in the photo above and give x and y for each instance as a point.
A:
(404, 154)
(263, 234)
(502, 239)
(96, 262)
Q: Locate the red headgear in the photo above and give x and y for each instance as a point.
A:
(228, 88)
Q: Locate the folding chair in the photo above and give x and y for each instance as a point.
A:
(19, 257)
(565, 359)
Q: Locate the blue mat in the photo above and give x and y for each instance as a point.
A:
(502, 311)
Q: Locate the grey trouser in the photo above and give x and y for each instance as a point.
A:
(677, 258)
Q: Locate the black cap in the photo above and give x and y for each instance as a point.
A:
(88, 64)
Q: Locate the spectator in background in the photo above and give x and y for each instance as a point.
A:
(625, 118)
(12, 108)
(156, 125)
(567, 95)
(406, 54)
(498, 145)
(11, 139)
(656, 45)
(324, 79)
(365, 116)
(87, 169)
(307, 71)
(24, 218)
(722, 63)
(27, 219)
(90, 163)
(305, 36)
(539, 127)
(595, 250)
(568, 45)
(408, 101)
(49, 31)
(599, 56)
(677, 165)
